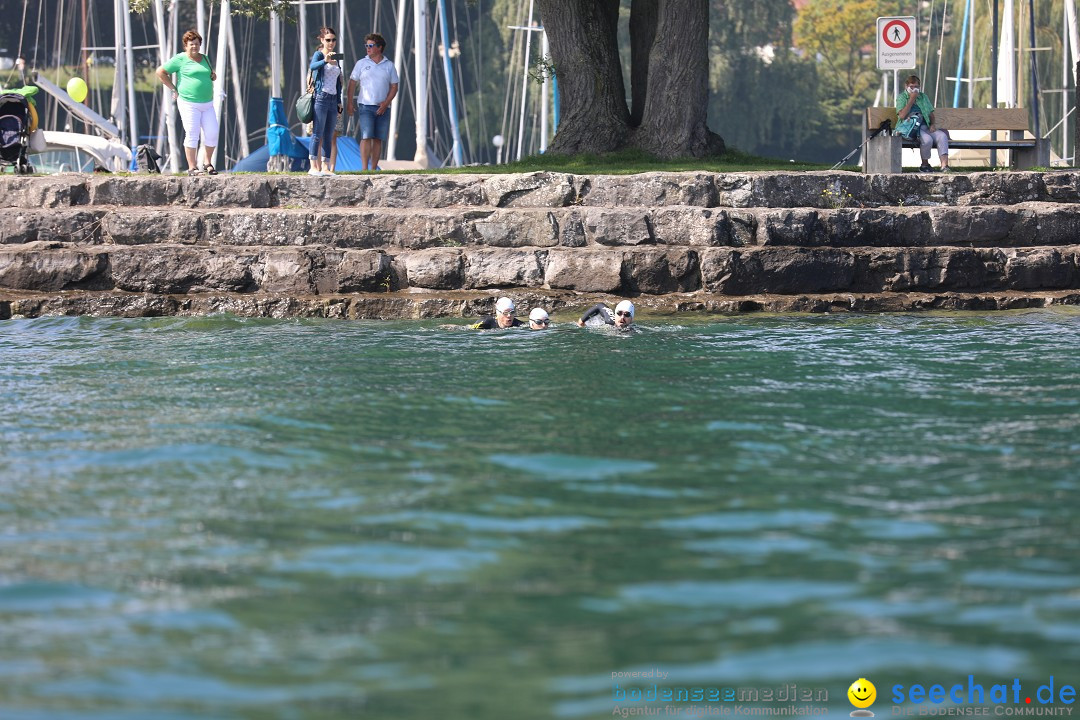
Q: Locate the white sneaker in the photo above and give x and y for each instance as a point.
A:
(329, 173)
(316, 173)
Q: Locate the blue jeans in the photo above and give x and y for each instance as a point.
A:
(372, 125)
(322, 131)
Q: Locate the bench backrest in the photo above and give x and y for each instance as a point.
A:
(960, 118)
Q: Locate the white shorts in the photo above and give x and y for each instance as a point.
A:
(198, 117)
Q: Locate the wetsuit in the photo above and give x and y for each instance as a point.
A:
(601, 312)
(598, 310)
(490, 323)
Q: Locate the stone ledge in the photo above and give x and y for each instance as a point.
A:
(459, 305)
(321, 270)
(544, 190)
(1020, 225)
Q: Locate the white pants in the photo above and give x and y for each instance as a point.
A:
(196, 117)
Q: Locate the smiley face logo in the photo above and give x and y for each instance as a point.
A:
(862, 694)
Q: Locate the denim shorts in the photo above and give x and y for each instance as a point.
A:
(372, 125)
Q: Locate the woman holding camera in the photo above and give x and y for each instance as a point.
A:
(328, 84)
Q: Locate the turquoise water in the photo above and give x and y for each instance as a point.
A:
(225, 518)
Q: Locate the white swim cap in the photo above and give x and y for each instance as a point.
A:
(624, 306)
(504, 304)
(538, 315)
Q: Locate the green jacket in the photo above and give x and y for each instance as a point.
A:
(905, 126)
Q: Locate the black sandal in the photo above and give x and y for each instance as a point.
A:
(192, 172)
(210, 170)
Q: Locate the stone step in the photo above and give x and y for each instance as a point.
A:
(1025, 224)
(544, 190)
(320, 270)
(425, 245)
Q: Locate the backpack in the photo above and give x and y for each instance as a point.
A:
(146, 160)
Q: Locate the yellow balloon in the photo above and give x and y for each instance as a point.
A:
(77, 89)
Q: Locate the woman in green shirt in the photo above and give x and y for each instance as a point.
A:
(915, 115)
(194, 93)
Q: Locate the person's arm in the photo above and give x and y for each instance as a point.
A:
(389, 99)
(902, 114)
(166, 79)
(350, 89)
(933, 127)
(318, 60)
(594, 310)
(487, 323)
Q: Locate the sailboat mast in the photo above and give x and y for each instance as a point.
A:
(238, 96)
(275, 55)
(451, 99)
(395, 107)
(118, 107)
(83, 56)
(1006, 69)
(130, 62)
(224, 15)
(525, 81)
(305, 60)
(341, 28)
(971, 57)
(1035, 99)
(1074, 36)
(166, 95)
(545, 52)
(420, 43)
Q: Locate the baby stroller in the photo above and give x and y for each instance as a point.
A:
(15, 132)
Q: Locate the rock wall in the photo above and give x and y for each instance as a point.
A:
(425, 245)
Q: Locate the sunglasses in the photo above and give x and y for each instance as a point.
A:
(539, 322)
(330, 39)
(369, 45)
(624, 313)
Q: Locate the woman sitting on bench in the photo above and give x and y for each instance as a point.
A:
(916, 120)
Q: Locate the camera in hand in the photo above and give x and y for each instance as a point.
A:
(337, 56)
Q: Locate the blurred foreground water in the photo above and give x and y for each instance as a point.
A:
(226, 518)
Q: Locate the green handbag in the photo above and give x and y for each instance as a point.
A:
(305, 104)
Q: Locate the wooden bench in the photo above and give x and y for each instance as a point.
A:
(881, 154)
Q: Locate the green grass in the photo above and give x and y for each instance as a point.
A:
(623, 162)
(631, 162)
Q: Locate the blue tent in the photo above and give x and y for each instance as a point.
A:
(348, 159)
(280, 141)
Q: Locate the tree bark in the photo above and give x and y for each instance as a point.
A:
(673, 123)
(583, 36)
(643, 16)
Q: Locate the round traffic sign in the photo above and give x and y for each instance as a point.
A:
(896, 34)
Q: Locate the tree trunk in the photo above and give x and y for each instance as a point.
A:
(676, 102)
(643, 15)
(584, 48)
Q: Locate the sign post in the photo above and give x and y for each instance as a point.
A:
(896, 45)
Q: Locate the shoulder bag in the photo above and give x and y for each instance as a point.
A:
(305, 104)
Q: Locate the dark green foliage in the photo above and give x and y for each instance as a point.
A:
(765, 108)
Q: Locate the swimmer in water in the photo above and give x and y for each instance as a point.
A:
(622, 318)
(504, 317)
(538, 319)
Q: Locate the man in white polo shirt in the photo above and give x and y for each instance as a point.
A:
(378, 82)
